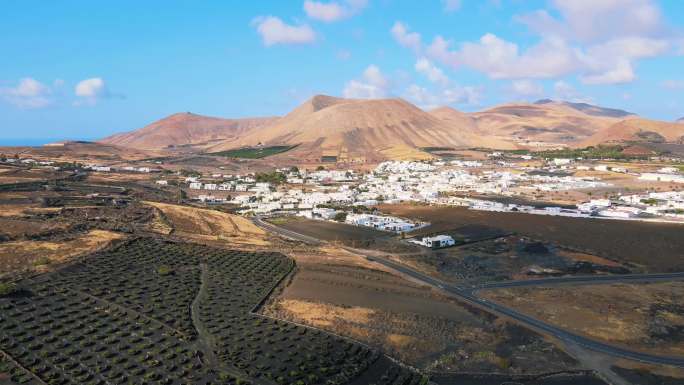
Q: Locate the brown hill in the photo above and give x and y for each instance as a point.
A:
(359, 130)
(69, 151)
(637, 130)
(542, 124)
(455, 118)
(589, 109)
(186, 129)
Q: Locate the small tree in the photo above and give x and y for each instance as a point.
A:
(341, 216)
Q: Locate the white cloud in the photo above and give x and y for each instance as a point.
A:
(405, 38)
(428, 100)
(333, 11)
(91, 88)
(564, 91)
(433, 73)
(274, 31)
(29, 93)
(451, 5)
(599, 41)
(527, 88)
(591, 21)
(90, 91)
(500, 59)
(373, 85)
(621, 72)
(443, 92)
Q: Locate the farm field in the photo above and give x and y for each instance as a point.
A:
(649, 247)
(152, 311)
(209, 225)
(253, 153)
(39, 255)
(344, 293)
(488, 257)
(648, 317)
(333, 231)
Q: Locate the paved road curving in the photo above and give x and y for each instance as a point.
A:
(469, 295)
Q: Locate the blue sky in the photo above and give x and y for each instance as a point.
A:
(86, 69)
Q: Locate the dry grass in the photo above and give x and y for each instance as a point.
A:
(324, 315)
(584, 257)
(661, 370)
(40, 255)
(211, 225)
(402, 152)
(331, 255)
(618, 313)
(14, 210)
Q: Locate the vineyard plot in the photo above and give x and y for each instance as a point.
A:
(154, 312)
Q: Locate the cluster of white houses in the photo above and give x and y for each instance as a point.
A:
(433, 183)
(382, 222)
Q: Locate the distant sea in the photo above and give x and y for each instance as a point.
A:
(32, 142)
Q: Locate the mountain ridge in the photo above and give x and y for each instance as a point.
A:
(369, 129)
(185, 129)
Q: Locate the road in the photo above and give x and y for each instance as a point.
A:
(257, 220)
(584, 280)
(469, 295)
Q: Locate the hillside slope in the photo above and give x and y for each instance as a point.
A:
(544, 124)
(358, 130)
(637, 130)
(185, 129)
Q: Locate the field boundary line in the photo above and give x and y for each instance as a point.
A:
(22, 367)
(130, 311)
(310, 327)
(205, 340)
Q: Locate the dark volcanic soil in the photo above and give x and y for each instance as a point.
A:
(331, 231)
(658, 247)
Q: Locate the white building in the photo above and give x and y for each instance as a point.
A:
(438, 242)
(657, 177)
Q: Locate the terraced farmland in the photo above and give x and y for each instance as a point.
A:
(156, 312)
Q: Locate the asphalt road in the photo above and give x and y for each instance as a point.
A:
(584, 280)
(257, 220)
(469, 295)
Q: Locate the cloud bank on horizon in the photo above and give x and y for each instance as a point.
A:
(223, 59)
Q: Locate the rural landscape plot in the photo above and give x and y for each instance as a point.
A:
(150, 311)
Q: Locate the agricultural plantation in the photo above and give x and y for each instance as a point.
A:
(156, 312)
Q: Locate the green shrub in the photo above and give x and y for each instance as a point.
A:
(164, 270)
(42, 261)
(7, 289)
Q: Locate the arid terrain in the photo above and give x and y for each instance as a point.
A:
(649, 247)
(649, 317)
(343, 293)
(353, 131)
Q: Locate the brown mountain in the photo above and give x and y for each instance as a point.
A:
(368, 130)
(589, 109)
(545, 124)
(455, 118)
(637, 130)
(356, 130)
(186, 129)
(83, 151)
